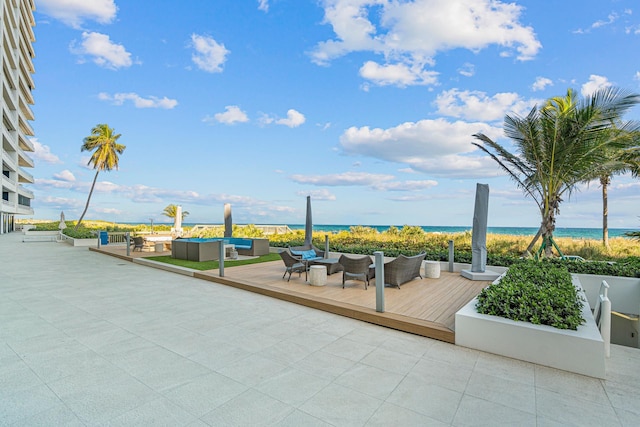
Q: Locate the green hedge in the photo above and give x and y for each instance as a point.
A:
(542, 296)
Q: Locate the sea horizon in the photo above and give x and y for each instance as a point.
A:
(572, 232)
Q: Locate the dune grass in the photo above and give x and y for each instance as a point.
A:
(213, 265)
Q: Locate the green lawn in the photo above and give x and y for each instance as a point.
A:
(213, 265)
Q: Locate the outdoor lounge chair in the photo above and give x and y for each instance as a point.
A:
(292, 264)
(298, 250)
(356, 269)
(138, 243)
(403, 269)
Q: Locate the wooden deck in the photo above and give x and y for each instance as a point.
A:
(424, 307)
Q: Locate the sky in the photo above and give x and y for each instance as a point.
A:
(367, 106)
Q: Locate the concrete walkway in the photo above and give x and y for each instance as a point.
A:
(88, 339)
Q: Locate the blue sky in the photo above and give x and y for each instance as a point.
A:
(366, 105)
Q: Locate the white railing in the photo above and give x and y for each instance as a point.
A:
(602, 315)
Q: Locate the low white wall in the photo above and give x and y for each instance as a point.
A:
(580, 351)
(624, 292)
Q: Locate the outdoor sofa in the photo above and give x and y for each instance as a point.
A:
(403, 269)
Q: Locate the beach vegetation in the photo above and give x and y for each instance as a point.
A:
(213, 265)
(103, 143)
(528, 293)
(560, 145)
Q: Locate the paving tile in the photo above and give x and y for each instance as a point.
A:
(292, 386)
(442, 373)
(431, 400)
(349, 349)
(342, 406)
(628, 418)
(393, 415)
(253, 370)
(506, 368)
(203, 394)
(324, 365)
(102, 401)
(571, 410)
(298, 418)
(18, 405)
(512, 394)
(458, 356)
(479, 412)
(58, 415)
(375, 382)
(578, 386)
(624, 396)
(159, 412)
(249, 409)
(389, 360)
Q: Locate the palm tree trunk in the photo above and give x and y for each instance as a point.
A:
(605, 181)
(93, 184)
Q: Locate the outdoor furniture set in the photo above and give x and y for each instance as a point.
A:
(396, 272)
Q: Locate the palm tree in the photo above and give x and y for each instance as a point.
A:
(172, 210)
(104, 144)
(618, 162)
(560, 145)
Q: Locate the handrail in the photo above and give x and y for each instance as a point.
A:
(602, 315)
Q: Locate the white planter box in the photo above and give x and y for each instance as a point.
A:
(580, 351)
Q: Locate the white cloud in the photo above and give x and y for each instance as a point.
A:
(637, 75)
(59, 202)
(541, 83)
(209, 55)
(594, 84)
(405, 185)
(138, 101)
(410, 34)
(467, 70)
(343, 179)
(397, 74)
(263, 5)
(233, 114)
(75, 12)
(105, 53)
(294, 119)
(323, 194)
(377, 182)
(65, 175)
(43, 152)
(437, 147)
(476, 105)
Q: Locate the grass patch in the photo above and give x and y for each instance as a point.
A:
(213, 265)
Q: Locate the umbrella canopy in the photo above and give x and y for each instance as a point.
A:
(228, 223)
(177, 224)
(479, 233)
(62, 224)
(308, 225)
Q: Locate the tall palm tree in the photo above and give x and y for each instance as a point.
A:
(172, 210)
(104, 143)
(560, 145)
(618, 162)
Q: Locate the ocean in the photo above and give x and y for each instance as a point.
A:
(576, 233)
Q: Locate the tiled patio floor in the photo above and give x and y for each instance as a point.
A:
(88, 339)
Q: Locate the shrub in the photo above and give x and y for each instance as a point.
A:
(529, 293)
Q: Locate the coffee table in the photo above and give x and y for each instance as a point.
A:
(332, 264)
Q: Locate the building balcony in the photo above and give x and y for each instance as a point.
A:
(25, 177)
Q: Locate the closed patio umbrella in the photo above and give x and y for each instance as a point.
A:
(177, 224)
(62, 224)
(308, 225)
(228, 223)
(479, 233)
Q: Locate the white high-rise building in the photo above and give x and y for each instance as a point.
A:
(16, 56)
